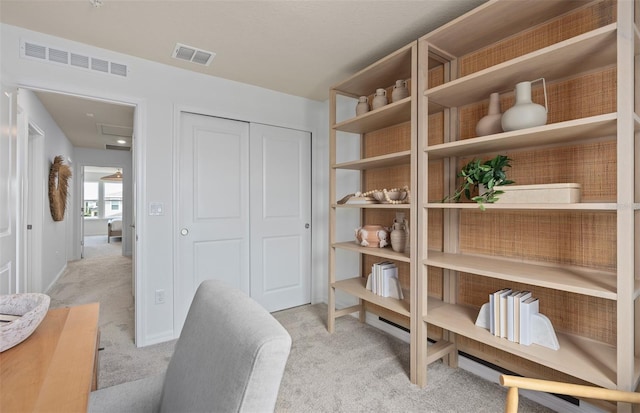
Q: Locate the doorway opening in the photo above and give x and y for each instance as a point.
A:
(102, 211)
(98, 133)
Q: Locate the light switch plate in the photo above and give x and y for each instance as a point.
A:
(156, 208)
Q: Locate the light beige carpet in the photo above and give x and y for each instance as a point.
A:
(356, 369)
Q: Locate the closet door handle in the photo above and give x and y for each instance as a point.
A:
(184, 232)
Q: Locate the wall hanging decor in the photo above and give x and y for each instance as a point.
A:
(59, 175)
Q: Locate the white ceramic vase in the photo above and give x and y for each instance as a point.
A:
(525, 114)
(363, 106)
(400, 91)
(380, 99)
(492, 122)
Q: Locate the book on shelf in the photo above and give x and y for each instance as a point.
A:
(528, 308)
(515, 315)
(521, 296)
(499, 312)
(383, 280)
(511, 315)
(503, 313)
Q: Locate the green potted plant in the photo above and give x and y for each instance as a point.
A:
(485, 176)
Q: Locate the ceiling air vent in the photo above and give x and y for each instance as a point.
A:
(192, 54)
(118, 148)
(115, 130)
(40, 52)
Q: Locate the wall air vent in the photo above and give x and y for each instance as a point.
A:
(31, 50)
(79, 61)
(118, 148)
(192, 54)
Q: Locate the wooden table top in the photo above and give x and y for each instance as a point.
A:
(52, 370)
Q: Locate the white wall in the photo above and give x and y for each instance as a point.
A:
(57, 237)
(160, 92)
(117, 159)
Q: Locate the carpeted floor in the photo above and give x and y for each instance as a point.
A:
(97, 246)
(356, 369)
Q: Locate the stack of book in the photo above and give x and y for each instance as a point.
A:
(383, 280)
(510, 315)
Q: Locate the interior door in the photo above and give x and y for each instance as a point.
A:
(8, 193)
(213, 206)
(280, 216)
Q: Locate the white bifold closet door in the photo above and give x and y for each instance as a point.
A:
(243, 209)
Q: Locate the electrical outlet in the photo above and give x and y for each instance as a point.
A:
(159, 296)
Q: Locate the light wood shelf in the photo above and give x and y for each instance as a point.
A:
(383, 161)
(586, 359)
(388, 115)
(387, 253)
(572, 279)
(514, 42)
(580, 54)
(372, 206)
(494, 21)
(388, 139)
(383, 73)
(357, 287)
(581, 206)
(556, 133)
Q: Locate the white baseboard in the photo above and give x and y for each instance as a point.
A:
(156, 339)
(487, 373)
(62, 270)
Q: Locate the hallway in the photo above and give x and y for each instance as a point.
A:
(105, 277)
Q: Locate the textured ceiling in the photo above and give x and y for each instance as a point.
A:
(297, 47)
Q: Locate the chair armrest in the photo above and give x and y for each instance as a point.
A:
(135, 396)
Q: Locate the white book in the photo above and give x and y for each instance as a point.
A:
(492, 319)
(388, 276)
(503, 313)
(496, 311)
(528, 307)
(523, 295)
(378, 268)
(511, 315)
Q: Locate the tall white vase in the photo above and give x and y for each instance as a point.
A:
(492, 122)
(400, 91)
(380, 99)
(525, 113)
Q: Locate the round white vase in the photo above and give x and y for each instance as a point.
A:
(525, 114)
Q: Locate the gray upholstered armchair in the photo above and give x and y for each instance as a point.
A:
(230, 357)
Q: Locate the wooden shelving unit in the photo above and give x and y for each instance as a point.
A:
(586, 52)
(388, 159)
